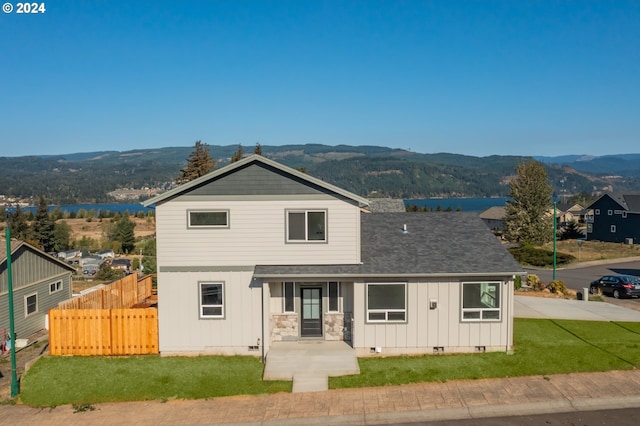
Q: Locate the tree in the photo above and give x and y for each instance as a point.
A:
(571, 231)
(19, 226)
(199, 164)
(258, 149)
(527, 219)
(107, 273)
(125, 234)
(237, 156)
(43, 226)
(61, 236)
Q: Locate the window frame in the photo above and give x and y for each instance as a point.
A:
(624, 214)
(609, 212)
(613, 229)
(597, 212)
(480, 310)
(201, 305)
(225, 211)
(589, 228)
(26, 304)
(335, 302)
(306, 239)
(55, 287)
(284, 297)
(386, 311)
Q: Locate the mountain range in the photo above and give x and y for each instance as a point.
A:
(366, 170)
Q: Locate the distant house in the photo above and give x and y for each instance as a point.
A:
(122, 264)
(493, 217)
(256, 252)
(69, 254)
(106, 254)
(569, 212)
(40, 282)
(614, 218)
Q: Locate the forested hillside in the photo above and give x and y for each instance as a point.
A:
(365, 170)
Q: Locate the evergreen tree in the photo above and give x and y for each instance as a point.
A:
(19, 227)
(571, 231)
(199, 164)
(237, 156)
(527, 219)
(61, 236)
(43, 226)
(125, 234)
(107, 273)
(258, 149)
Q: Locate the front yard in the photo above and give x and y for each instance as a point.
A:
(541, 347)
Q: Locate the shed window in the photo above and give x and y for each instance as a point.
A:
(481, 301)
(387, 302)
(208, 219)
(306, 225)
(55, 287)
(211, 300)
(30, 304)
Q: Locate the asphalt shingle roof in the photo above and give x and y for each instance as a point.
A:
(444, 243)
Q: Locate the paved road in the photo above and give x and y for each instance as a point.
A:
(576, 278)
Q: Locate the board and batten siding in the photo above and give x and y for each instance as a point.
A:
(256, 234)
(181, 330)
(28, 267)
(426, 328)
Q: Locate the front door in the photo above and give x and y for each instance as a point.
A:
(311, 300)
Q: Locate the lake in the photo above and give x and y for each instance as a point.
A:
(132, 208)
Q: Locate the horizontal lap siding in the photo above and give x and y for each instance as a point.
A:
(427, 328)
(256, 234)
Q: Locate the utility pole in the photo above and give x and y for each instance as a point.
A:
(555, 228)
(14, 374)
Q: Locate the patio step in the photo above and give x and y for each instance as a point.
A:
(310, 382)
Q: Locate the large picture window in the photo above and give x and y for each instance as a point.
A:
(208, 219)
(30, 304)
(387, 302)
(211, 300)
(306, 225)
(481, 301)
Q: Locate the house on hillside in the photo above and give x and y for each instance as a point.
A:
(257, 252)
(567, 212)
(40, 282)
(614, 218)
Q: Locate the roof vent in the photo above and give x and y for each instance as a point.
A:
(404, 229)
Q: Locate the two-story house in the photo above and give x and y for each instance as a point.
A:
(614, 218)
(257, 252)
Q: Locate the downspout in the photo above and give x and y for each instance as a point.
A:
(262, 317)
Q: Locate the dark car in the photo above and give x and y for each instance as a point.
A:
(617, 286)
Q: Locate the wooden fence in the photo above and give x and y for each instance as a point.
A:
(104, 322)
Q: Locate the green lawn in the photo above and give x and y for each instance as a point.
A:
(541, 347)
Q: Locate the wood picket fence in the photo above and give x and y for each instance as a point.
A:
(105, 321)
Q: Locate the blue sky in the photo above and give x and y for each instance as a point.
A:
(470, 77)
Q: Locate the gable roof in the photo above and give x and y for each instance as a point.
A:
(494, 213)
(386, 205)
(629, 202)
(242, 164)
(17, 244)
(434, 244)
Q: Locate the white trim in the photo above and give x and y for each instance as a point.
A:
(624, 214)
(610, 212)
(388, 311)
(613, 229)
(26, 311)
(284, 297)
(58, 286)
(337, 297)
(192, 226)
(219, 305)
(481, 311)
(306, 225)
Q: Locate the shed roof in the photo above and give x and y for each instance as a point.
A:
(434, 244)
(16, 244)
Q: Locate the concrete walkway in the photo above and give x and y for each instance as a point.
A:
(310, 363)
(542, 307)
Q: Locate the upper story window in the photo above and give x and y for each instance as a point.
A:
(55, 287)
(610, 212)
(208, 219)
(306, 225)
(624, 214)
(597, 211)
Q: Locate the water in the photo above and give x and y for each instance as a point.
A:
(116, 208)
(465, 204)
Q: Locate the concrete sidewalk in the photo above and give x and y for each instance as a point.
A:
(550, 308)
(365, 406)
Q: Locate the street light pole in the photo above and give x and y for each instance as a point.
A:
(555, 227)
(14, 374)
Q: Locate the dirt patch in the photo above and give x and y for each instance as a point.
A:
(145, 227)
(38, 345)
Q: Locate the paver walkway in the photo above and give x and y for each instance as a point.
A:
(365, 406)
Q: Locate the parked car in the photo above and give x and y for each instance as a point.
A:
(617, 286)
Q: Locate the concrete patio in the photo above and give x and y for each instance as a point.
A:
(310, 363)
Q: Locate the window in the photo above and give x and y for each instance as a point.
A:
(211, 300)
(387, 302)
(30, 304)
(481, 301)
(55, 287)
(610, 212)
(613, 228)
(208, 219)
(624, 214)
(597, 211)
(334, 290)
(307, 225)
(589, 228)
(289, 298)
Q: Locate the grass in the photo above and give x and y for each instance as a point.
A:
(542, 347)
(81, 381)
(594, 250)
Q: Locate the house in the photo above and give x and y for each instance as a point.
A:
(257, 252)
(493, 217)
(567, 212)
(40, 282)
(69, 254)
(614, 218)
(122, 264)
(106, 254)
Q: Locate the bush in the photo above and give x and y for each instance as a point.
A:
(557, 286)
(517, 283)
(534, 282)
(535, 256)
